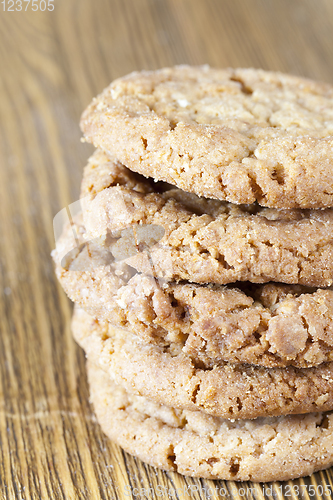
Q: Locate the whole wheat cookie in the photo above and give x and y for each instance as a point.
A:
(241, 135)
(199, 445)
(199, 240)
(172, 378)
(269, 325)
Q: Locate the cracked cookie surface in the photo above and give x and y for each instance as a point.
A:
(203, 241)
(199, 445)
(268, 325)
(241, 135)
(169, 377)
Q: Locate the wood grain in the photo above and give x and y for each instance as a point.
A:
(51, 65)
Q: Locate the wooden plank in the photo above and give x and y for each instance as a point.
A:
(51, 65)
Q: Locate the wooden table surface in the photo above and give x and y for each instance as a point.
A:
(51, 64)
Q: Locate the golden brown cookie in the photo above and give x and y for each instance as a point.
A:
(199, 445)
(269, 325)
(241, 135)
(168, 376)
(199, 240)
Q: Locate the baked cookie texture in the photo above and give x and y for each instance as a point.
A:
(172, 378)
(199, 445)
(177, 236)
(241, 135)
(201, 268)
(270, 325)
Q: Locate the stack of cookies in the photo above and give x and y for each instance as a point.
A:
(201, 268)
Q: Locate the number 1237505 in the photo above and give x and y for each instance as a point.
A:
(24, 5)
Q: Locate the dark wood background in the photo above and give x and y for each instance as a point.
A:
(51, 65)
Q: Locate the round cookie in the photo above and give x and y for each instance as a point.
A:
(241, 135)
(179, 236)
(195, 444)
(269, 325)
(230, 391)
